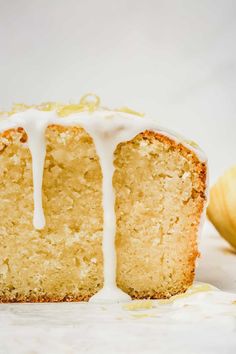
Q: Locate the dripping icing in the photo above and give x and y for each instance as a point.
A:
(107, 129)
(35, 131)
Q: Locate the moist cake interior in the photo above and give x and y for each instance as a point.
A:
(160, 194)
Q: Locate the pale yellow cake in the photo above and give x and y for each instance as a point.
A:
(160, 196)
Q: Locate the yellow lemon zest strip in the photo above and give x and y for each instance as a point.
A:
(192, 143)
(138, 305)
(192, 290)
(130, 111)
(89, 102)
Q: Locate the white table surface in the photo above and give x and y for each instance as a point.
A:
(201, 323)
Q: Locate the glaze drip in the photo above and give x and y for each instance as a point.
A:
(107, 129)
(36, 142)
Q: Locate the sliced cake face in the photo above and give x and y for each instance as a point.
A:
(159, 193)
(64, 260)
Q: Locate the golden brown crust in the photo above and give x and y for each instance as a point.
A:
(71, 298)
(134, 295)
(45, 298)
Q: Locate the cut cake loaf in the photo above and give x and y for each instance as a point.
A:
(73, 224)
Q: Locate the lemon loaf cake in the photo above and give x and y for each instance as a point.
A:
(96, 204)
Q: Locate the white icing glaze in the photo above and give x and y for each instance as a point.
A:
(107, 129)
(36, 141)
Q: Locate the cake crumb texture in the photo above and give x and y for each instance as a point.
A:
(160, 195)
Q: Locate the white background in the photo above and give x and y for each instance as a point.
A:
(174, 60)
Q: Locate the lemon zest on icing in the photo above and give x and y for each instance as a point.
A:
(130, 111)
(70, 109)
(49, 106)
(194, 289)
(138, 305)
(192, 143)
(19, 107)
(88, 102)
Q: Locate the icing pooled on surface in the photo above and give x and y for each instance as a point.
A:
(201, 322)
(107, 129)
